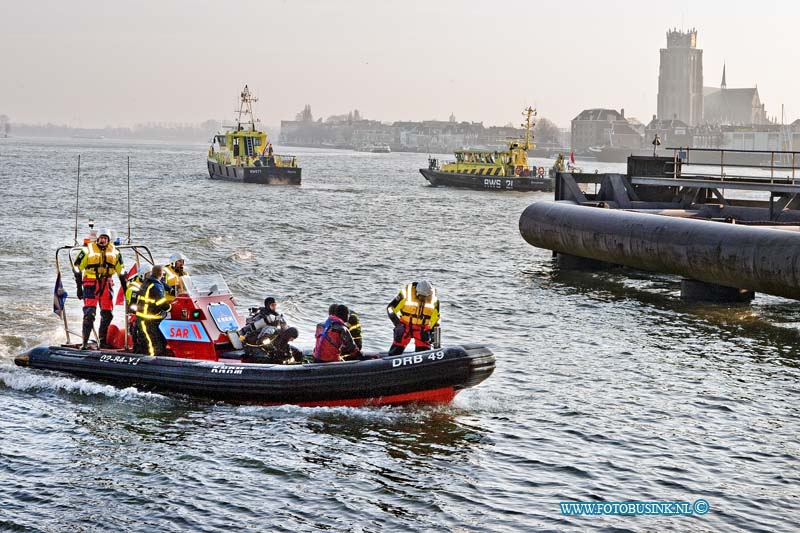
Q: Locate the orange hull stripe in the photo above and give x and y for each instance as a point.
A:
(443, 395)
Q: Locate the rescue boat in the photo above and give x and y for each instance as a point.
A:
(494, 170)
(205, 358)
(243, 152)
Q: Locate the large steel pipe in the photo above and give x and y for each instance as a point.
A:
(760, 259)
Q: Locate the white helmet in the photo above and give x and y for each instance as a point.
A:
(424, 288)
(104, 231)
(177, 256)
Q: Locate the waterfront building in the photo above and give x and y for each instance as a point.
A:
(604, 127)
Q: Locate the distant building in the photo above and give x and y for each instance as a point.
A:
(672, 133)
(733, 106)
(597, 127)
(680, 78)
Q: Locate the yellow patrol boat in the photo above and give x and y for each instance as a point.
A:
(243, 152)
(505, 170)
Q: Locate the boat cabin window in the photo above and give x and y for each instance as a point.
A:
(459, 157)
(221, 140)
(205, 285)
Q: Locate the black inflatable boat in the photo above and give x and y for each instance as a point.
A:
(431, 376)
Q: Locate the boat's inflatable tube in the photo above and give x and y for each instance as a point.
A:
(431, 376)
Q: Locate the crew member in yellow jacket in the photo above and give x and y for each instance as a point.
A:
(95, 267)
(414, 313)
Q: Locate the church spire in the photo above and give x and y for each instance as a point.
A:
(724, 84)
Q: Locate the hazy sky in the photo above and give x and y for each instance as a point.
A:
(95, 63)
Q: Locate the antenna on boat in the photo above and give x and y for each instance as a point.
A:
(527, 112)
(77, 196)
(129, 200)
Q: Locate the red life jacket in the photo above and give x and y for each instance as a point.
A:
(329, 340)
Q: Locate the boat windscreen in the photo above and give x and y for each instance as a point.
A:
(205, 285)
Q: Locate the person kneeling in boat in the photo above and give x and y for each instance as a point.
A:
(152, 307)
(414, 313)
(334, 341)
(95, 267)
(273, 347)
(266, 336)
(261, 318)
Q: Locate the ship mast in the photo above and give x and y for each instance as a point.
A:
(527, 113)
(246, 110)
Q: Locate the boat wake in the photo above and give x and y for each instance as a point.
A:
(18, 379)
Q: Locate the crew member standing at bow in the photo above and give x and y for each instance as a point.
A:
(174, 271)
(414, 313)
(151, 307)
(95, 267)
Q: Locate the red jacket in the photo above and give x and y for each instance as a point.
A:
(333, 341)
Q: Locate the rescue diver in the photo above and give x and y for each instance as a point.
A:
(262, 329)
(334, 340)
(274, 349)
(173, 272)
(414, 313)
(151, 308)
(260, 318)
(95, 266)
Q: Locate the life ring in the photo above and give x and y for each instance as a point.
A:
(540, 172)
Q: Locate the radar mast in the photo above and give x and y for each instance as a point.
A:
(246, 110)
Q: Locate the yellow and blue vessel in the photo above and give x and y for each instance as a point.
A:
(505, 170)
(243, 153)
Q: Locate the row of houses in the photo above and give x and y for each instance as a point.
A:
(432, 136)
(590, 129)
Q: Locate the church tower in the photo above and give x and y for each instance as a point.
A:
(680, 78)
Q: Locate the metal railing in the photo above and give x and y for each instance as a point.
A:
(723, 158)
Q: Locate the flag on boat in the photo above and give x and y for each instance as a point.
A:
(572, 157)
(59, 297)
(120, 293)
